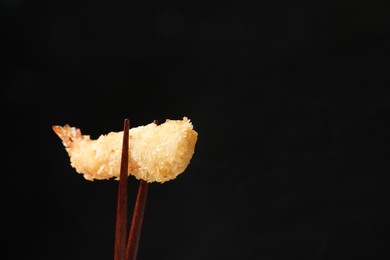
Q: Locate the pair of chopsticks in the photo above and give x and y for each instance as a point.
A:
(126, 244)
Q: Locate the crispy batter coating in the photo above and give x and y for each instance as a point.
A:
(157, 153)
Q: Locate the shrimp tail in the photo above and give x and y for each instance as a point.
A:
(67, 134)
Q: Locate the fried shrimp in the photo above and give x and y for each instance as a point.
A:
(157, 153)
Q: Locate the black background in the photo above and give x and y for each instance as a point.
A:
(290, 100)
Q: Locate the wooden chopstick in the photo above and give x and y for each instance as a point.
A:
(136, 223)
(121, 211)
(137, 220)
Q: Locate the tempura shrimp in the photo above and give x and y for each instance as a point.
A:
(157, 153)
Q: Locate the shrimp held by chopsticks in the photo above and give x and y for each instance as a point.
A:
(157, 153)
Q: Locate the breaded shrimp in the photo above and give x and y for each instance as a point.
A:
(157, 153)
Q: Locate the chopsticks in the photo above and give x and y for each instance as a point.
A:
(129, 250)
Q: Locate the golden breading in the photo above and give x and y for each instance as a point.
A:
(157, 153)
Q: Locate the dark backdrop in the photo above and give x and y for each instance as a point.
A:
(290, 100)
